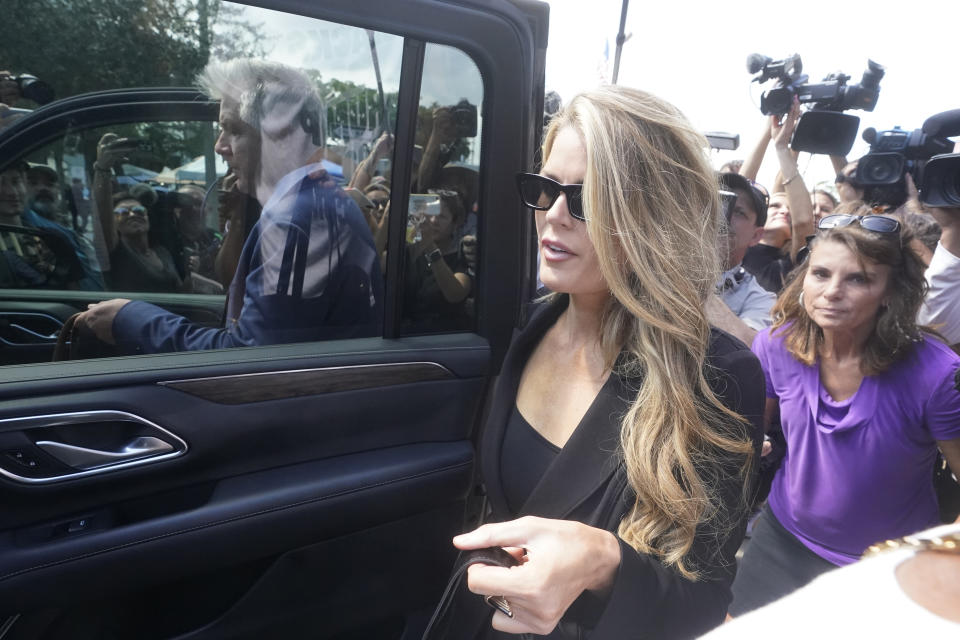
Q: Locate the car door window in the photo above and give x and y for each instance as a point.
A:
(444, 210)
(153, 207)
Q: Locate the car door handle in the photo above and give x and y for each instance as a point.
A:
(33, 334)
(84, 458)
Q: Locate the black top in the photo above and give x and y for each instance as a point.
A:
(587, 482)
(524, 458)
(768, 265)
(424, 306)
(129, 271)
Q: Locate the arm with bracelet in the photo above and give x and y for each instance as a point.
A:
(801, 208)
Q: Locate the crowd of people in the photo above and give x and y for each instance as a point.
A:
(849, 305)
(299, 252)
(858, 350)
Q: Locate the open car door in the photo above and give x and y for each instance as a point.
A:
(308, 489)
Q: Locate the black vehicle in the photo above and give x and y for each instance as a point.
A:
(287, 490)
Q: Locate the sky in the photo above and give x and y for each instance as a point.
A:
(693, 54)
(690, 52)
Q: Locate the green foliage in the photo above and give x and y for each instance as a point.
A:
(80, 46)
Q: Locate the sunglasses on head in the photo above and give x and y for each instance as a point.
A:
(128, 211)
(539, 192)
(877, 224)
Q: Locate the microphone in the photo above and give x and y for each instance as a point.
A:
(869, 135)
(943, 125)
(757, 61)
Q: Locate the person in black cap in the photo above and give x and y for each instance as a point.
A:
(742, 306)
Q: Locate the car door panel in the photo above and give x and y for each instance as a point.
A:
(319, 484)
(319, 474)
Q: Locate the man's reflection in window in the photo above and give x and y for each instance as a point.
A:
(308, 269)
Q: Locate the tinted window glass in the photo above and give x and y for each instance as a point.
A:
(442, 243)
(257, 218)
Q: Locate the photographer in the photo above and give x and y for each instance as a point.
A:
(450, 124)
(790, 217)
(941, 308)
(135, 262)
(741, 306)
(437, 282)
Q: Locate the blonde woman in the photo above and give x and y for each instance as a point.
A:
(617, 458)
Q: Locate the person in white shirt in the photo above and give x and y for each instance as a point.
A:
(910, 588)
(941, 309)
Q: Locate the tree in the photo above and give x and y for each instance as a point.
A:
(124, 43)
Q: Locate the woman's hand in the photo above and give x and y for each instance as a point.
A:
(781, 130)
(563, 559)
(112, 149)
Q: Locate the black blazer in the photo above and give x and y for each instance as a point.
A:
(587, 482)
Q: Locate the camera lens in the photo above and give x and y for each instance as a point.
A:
(940, 186)
(880, 168)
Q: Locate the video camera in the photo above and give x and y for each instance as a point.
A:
(923, 153)
(823, 129)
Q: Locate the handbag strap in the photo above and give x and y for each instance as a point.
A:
(67, 339)
(490, 555)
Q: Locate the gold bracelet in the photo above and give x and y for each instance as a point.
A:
(944, 544)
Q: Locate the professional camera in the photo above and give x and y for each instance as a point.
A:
(33, 88)
(823, 129)
(940, 184)
(833, 94)
(896, 152)
(465, 119)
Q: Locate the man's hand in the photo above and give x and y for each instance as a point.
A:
(99, 318)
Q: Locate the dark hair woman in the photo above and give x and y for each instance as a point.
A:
(136, 264)
(864, 396)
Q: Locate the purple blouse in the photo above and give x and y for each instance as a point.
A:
(860, 470)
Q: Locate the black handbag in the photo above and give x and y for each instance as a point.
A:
(440, 621)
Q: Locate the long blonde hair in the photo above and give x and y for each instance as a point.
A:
(653, 215)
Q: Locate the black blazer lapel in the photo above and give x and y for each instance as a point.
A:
(589, 458)
(505, 398)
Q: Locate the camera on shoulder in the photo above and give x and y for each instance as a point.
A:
(925, 153)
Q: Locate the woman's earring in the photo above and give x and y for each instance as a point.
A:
(800, 299)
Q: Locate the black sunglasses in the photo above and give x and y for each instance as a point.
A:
(125, 211)
(878, 224)
(539, 192)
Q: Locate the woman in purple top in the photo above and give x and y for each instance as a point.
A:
(864, 396)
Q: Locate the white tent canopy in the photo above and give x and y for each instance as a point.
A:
(194, 171)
